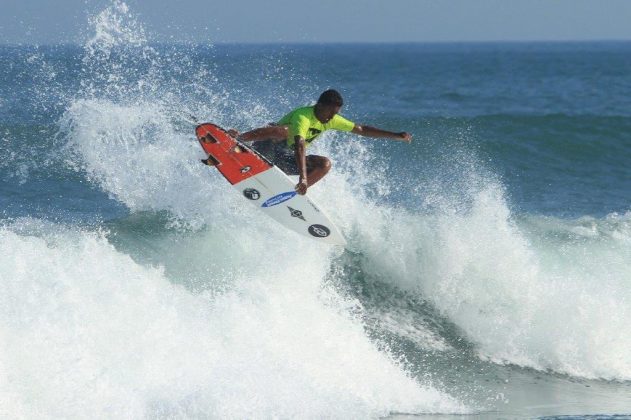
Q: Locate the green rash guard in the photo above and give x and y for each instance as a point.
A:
(303, 122)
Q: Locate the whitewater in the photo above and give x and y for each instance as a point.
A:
(137, 284)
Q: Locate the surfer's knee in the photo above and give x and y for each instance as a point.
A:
(326, 164)
(320, 163)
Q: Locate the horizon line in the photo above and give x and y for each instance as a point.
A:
(312, 43)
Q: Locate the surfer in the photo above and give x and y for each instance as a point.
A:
(285, 142)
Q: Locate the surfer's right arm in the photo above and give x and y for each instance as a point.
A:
(301, 160)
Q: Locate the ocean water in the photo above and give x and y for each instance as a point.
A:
(488, 269)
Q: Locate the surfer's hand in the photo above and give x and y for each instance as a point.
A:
(301, 187)
(406, 137)
(233, 133)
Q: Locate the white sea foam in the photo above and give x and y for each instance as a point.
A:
(87, 331)
(537, 292)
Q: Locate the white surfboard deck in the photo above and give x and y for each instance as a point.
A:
(273, 193)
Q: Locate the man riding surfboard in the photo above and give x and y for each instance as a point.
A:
(289, 138)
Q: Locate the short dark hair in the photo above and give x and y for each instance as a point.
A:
(331, 97)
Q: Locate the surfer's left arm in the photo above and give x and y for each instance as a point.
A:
(368, 131)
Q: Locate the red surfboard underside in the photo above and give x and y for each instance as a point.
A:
(235, 161)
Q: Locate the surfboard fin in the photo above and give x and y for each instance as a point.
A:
(211, 161)
(208, 138)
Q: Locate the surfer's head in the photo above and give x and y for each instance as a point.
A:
(329, 104)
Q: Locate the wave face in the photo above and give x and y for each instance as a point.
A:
(488, 260)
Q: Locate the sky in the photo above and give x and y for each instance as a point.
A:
(289, 21)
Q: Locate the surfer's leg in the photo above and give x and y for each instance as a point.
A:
(317, 168)
(272, 132)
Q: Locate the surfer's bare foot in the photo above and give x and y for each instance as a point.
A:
(301, 188)
(233, 133)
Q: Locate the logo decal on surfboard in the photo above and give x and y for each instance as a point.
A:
(319, 231)
(252, 194)
(280, 198)
(296, 213)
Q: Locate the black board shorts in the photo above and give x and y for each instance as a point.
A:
(279, 154)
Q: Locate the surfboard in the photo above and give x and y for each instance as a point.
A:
(265, 186)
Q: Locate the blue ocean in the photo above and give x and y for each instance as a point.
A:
(488, 266)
